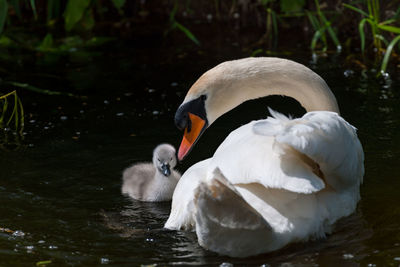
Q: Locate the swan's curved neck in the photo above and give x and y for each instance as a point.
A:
(234, 82)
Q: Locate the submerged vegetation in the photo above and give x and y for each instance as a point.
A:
(11, 120)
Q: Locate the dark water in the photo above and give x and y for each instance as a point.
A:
(60, 190)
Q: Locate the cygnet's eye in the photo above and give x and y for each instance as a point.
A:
(170, 158)
(159, 160)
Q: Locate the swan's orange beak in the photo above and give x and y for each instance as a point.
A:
(193, 130)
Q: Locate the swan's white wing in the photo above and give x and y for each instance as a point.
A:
(324, 137)
(246, 157)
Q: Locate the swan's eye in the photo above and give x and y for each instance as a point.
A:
(203, 97)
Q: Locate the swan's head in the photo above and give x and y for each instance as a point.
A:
(202, 105)
(164, 158)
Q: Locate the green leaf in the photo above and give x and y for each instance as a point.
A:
(256, 52)
(362, 12)
(313, 20)
(383, 39)
(288, 6)
(187, 32)
(3, 14)
(47, 43)
(330, 30)
(389, 49)
(43, 263)
(317, 35)
(118, 3)
(362, 34)
(389, 28)
(74, 12)
(33, 5)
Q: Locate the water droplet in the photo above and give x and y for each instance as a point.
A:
(265, 265)
(371, 265)
(153, 90)
(104, 261)
(52, 247)
(226, 264)
(106, 102)
(18, 233)
(81, 111)
(209, 17)
(29, 249)
(236, 15)
(120, 114)
(156, 112)
(396, 258)
(41, 242)
(348, 256)
(173, 84)
(32, 121)
(149, 240)
(63, 118)
(348, 73)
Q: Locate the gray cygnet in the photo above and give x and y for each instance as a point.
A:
(153, 182)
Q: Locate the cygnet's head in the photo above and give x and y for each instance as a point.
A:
(164, 158)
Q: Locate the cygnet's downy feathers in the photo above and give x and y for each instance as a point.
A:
(152, 182)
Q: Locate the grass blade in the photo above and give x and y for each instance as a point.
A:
(39, 90)
(3, 14)
(362, 12)
(389, 49)
(362, 34)
(383, 39)
(33, 5)
(316, 36)
(187, 33)
(389, 28)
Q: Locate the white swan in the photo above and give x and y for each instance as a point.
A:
(152, 182)
(273, 181)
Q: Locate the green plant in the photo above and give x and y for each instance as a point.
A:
(176, 25)
(271, 23)
(378, 29)
(12, 112)
(321, 25)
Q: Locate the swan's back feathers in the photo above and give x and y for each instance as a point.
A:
(245, 157)
(323, 136)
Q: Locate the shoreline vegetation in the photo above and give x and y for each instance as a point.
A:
(367, 32)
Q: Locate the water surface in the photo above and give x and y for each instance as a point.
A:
(60, 189)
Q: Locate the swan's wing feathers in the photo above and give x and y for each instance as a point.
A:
(328, 140)
(245, 157)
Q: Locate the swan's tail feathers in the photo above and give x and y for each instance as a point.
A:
(225, 222)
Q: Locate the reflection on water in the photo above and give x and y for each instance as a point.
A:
(60, 191)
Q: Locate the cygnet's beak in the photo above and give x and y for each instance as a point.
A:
(165, 168)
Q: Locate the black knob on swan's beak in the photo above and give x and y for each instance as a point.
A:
(181, 119)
